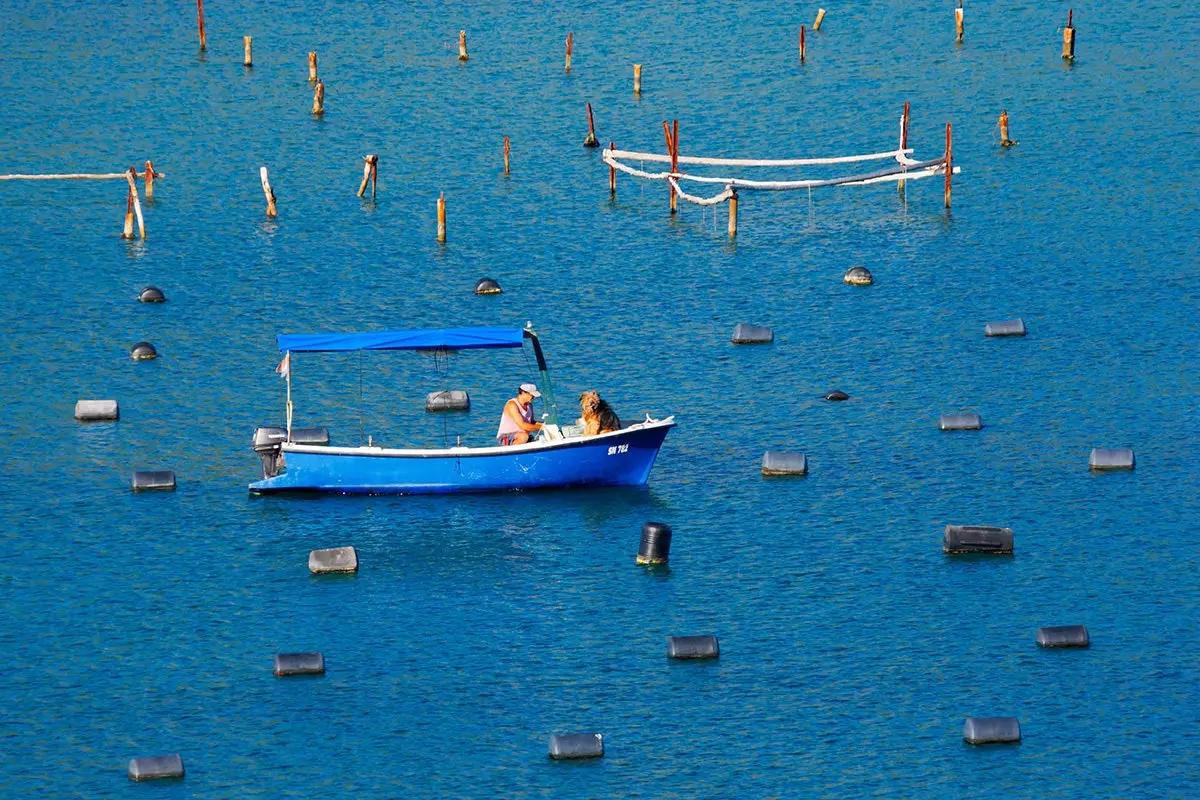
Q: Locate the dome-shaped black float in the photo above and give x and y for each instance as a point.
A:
(152, 294)
(836, 395)
(858, 276)
(487, 286)
(143, 351)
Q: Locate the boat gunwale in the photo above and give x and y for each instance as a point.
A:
(472, 452)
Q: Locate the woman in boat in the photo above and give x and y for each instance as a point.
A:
(516, 423)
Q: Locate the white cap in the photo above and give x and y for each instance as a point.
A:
(529, 388)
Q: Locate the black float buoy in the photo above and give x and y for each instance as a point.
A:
(686, 647)
(1064, 636)
(858, 276)
(150, 768)
(837, 395)
(487, 286)
(776, 463)
(1106, 459)
(752, 334)
(991, 730)
(977, 539)
(960, 422)
(576, 745)
(152, 294)
(656, 543)
(153, 480)
(143, 351)
(299, 664)
(333, 559)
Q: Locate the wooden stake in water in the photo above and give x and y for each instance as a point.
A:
(591, 141)
(570, 42)
(268, 192)
(1068, 52)
(958, 23)
(127, 232)
(612, 174)
(903, 139)
(820, 18)
(319, 98)
(149, 178)
(672, 137)
(801, 44)
(637, 78)
(247, 59)
(200, 17)
(441, 217)
(462, 46)
(130, 174)
(362, 187)
(1003, 123)
(949, 166)
(370, 173)
(733, 200)
(312, 66)
(507, 149)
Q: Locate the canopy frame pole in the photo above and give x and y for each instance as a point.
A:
(547, 389)
(288, 355)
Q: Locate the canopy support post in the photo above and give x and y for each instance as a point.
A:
(288, 356)
(949, 165)
(544, 371)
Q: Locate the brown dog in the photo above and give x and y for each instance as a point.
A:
(598, 416)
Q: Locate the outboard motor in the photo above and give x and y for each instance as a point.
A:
(267, 443)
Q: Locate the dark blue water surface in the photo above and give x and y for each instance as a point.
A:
(851, 647)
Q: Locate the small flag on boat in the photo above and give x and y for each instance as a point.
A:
(285, 367)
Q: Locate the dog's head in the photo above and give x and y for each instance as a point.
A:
(589, 401)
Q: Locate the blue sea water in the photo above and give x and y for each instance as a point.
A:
(852, 648)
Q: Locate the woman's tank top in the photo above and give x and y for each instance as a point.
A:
(507, 425)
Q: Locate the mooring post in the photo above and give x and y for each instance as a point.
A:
(369, 174)
(637, 78)
(247, 59)
(462, 46)
(130, 176)
(733, 200)
(200, 17)
(319, 98)
(820, 18)
(1068, 52)
(591, 141)
(801, 44)
(149, 179)
(612, 174)
(127, 232)
(570, 41)
(903, 140)
(268, 192)
(1003, 123)
(441, 217)
(673, 145)
(949, 165)
(958, 22)
(507, 149)
(312, 66)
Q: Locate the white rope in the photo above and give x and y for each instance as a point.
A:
(755, 162)
(906, 169)
(76, 176)
(701, 201)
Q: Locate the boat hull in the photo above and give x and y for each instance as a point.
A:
(620, 458)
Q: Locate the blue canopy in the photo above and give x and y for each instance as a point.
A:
(446, 339)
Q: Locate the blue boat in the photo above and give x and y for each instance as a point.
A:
(561, 456)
